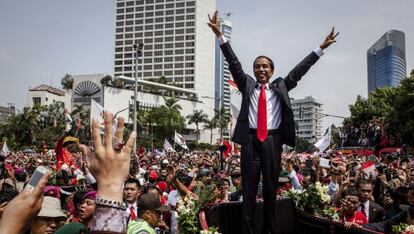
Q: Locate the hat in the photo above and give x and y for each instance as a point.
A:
(235, 174)
(73, 228)
(71, 139)
(162, 185)
(52, 191)
(165, 161)
(154, 167)
(151, 201)
(153, 175)
(91, 195)
(51, 208)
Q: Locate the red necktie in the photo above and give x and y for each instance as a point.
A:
(363, 209)
(133, 215)
(262, 115)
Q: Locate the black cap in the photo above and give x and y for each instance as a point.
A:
(151, 201)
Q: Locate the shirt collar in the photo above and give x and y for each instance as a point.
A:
(258, 85)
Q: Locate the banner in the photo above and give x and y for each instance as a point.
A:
(98, 112)
(179, 139)
(167, 146)
(325, 141)
(5, 150)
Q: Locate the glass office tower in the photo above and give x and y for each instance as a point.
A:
(386, 61)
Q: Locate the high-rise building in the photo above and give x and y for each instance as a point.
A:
(386, 61)
(308, 119)
(178, 44)
(222, 92)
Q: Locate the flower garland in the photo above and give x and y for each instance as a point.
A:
(403, 228)
(313, 200)
(189, 208)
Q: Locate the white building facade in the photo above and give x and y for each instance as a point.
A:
(117, 100)
(308, 118)
(44, 95)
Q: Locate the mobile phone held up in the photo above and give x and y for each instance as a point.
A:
(37, 175)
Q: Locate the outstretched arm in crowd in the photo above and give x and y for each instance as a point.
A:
(172, 179)
(19, 213)
(110, 168)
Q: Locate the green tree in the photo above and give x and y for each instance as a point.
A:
(223, 118)
(106, 80)
(67, 81)
(401, 117)
(378, 103)
(302, 145)
(211, 124)
(197, 117)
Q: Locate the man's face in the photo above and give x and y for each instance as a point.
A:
(351, 204)
(131, 192)
(306, 181)
(262, 70)
(45, 225)
(365, 192)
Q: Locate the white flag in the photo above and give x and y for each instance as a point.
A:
(179, 139)
(5, 150)
(98, 113)
(167, 146)
(325, 141)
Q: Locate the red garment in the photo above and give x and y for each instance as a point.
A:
(262, 115)
(62, 155)
(357, 218)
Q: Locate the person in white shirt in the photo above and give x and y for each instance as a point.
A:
(132, 189)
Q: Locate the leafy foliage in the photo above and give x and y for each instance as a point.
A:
(197, 117)
(394, 107)
(67, 81)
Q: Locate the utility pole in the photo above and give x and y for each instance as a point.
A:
(138, 53)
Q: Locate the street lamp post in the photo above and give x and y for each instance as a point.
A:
(138, 53)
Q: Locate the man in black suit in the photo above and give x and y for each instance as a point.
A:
(264, 124)
(369, 208)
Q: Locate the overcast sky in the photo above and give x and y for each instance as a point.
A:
(43, 40)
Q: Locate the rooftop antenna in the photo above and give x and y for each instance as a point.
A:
(228, 14)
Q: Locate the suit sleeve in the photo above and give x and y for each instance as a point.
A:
(300, 70)
(235, 66)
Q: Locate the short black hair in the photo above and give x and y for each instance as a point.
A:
(362, 181)
(272, 65)
(352, 191)
(132, 181)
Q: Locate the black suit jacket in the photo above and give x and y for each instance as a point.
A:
(246, 85)
(376, 212)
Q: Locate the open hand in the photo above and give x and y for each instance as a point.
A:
(329, 39)
(109, 166)
(214, 24)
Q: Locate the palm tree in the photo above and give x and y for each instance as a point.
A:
(223, 118)
(197, 117)
(172, 104)
(211, 124)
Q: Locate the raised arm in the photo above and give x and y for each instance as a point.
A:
(303, 67)
(214, 24)
(234, 64)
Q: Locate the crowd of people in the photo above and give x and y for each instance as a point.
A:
(106, 189)
(369, 134)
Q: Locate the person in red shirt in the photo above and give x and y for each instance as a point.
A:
(349, 213)
(65, 146)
